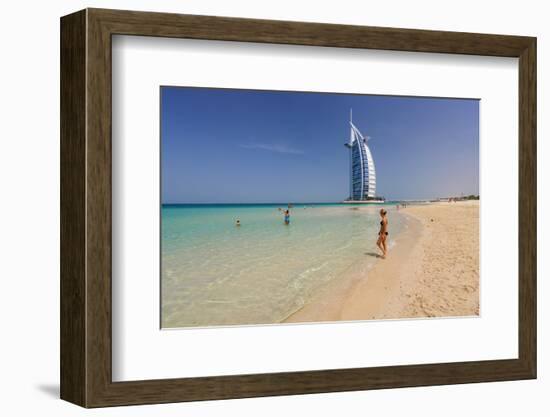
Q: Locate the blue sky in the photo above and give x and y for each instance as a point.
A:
(245, 146)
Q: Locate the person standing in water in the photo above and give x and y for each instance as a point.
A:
(383, 233)
(287, 217)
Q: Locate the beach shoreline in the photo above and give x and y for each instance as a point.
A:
(432, 271)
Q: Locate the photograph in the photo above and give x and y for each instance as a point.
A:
(281, 207)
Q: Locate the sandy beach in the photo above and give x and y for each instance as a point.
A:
(431, 271)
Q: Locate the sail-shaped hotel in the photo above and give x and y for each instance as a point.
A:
(362, 170)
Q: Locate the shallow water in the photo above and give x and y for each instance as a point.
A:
(215, 273)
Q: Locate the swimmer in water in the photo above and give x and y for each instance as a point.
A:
(287, 217)
(238, 223)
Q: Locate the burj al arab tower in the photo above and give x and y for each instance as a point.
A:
(362, 186)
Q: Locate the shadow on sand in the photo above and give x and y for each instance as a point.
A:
(374, 255)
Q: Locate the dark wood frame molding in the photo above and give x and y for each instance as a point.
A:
(86, 207)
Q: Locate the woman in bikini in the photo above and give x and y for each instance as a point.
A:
(383, 233)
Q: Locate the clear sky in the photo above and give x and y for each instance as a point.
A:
(244, 146)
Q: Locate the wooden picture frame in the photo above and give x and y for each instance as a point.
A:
(86, 377)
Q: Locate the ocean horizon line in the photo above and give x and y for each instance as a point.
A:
(291, 202)
(253, 204)
(284, 203)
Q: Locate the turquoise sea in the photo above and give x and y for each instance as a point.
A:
(214, 273)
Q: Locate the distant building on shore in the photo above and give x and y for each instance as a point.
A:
(362, 186)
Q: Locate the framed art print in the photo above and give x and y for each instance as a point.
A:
(253, 208)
